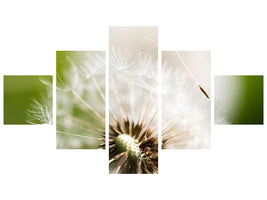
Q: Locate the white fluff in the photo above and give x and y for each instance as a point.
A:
(185, 109)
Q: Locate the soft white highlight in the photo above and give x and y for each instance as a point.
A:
(185, 109)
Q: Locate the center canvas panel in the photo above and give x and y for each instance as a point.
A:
(133, 100)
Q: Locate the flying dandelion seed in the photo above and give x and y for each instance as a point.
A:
(80, 100)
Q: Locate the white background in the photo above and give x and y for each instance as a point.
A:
(31, 32)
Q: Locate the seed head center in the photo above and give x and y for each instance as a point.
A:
(125, 142)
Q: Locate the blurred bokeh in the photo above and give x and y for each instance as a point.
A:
(80, 77)
(66, 60)
(239, 99)
(19, 93)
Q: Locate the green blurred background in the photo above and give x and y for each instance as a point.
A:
(19, 91)
(240, 99)
(65, 62)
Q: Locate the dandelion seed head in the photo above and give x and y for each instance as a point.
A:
(133, 148)
(125, 142)
(133, 81)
